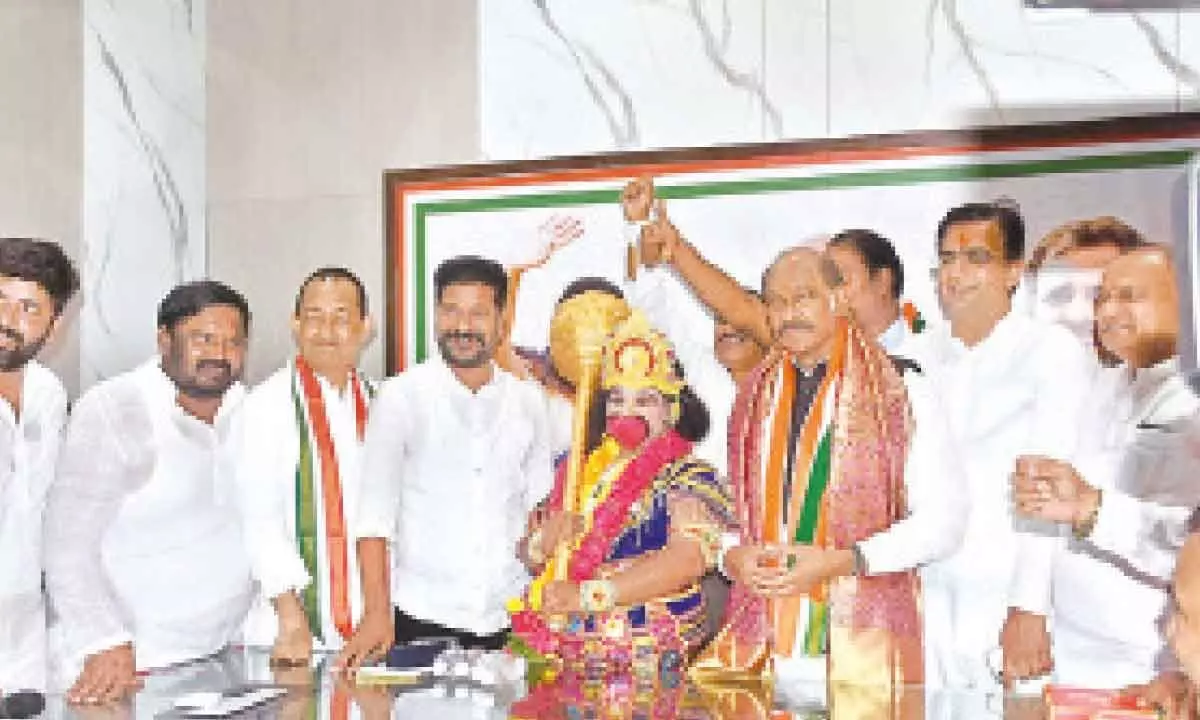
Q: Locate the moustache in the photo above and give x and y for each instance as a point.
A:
(13, 335)
(731, 336)
(797, 325)
(222, 365)
(463, 335)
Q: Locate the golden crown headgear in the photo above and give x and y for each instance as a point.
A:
(637, 356)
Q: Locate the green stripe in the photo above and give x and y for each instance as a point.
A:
(963, 172)
(816, 634)
(306, 517)
(818, 479)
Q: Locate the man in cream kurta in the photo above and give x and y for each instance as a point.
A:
(145, 562)
(1131, 491)
(37, 280)
(315, 407)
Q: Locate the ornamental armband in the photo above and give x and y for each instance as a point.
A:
(597, 596)
(709, 537)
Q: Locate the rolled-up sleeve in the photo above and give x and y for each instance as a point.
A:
(934, 480)
(265, 475)
(384, 450)
(107, 455)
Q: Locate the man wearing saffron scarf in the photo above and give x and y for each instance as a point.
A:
(298, 470)
(843, 487)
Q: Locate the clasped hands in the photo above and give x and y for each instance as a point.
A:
(783, 570)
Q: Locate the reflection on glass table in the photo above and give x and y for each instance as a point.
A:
(316, 692)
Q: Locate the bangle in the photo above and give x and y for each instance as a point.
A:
(533, 548)
(709, 538)
(1085, 527)
(597, 596)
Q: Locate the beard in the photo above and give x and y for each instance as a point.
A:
(476, 359)
(194, 384)
(19, 355)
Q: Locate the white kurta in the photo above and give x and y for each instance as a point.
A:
(143, 539)
(29, 443)
(1108, 611)
(932, 529)
(266, 475)
(1018, 392)
(653, 293)
(450, 475)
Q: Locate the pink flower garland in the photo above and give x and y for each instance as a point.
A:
(608, 520)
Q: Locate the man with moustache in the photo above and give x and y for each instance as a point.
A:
(145, 562)
(871, 271)
(298, 473)
(457, 453)
(1011, 386)
(1128, 500)
(37, 280)
(844, 487)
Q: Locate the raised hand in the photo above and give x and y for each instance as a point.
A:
(636, 199)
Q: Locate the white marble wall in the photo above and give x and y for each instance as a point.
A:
(144, 171)
(571, 76)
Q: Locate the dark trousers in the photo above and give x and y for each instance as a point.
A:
(409, 628)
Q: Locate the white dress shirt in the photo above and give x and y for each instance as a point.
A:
(896, 336)
(652, 293)
(1018, 392)
(143, 539)
(29, 443)
(1107, 611)
(266, 474)
(450, 476)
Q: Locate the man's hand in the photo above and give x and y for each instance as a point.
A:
(1052, 490)
(107, 677)
(1170, 692)
(558, 528)
(741, 563)
(1025, 646)
(561, 596)
(797, 569)
(371, 641)
(293, 641)
(658, 240)
(636, 199)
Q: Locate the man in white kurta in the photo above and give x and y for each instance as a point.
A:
(36, 282)
(145, 561)
(306, 416)
(457, 454)
(1011, 386)
(1131, 491)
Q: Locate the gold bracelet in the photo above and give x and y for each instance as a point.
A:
(709, 537)
(596, 596)
(533, 548)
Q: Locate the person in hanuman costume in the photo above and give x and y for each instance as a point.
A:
(640, 523)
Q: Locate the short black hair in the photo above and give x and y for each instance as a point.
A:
(590, 283)
(42, 262)
(1006, 217)
(877, 253)
(334, 273)
(189, 299)
(471, 269)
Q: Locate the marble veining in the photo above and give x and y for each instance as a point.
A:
(622, 120)
(1184, 73)
(715, 49)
